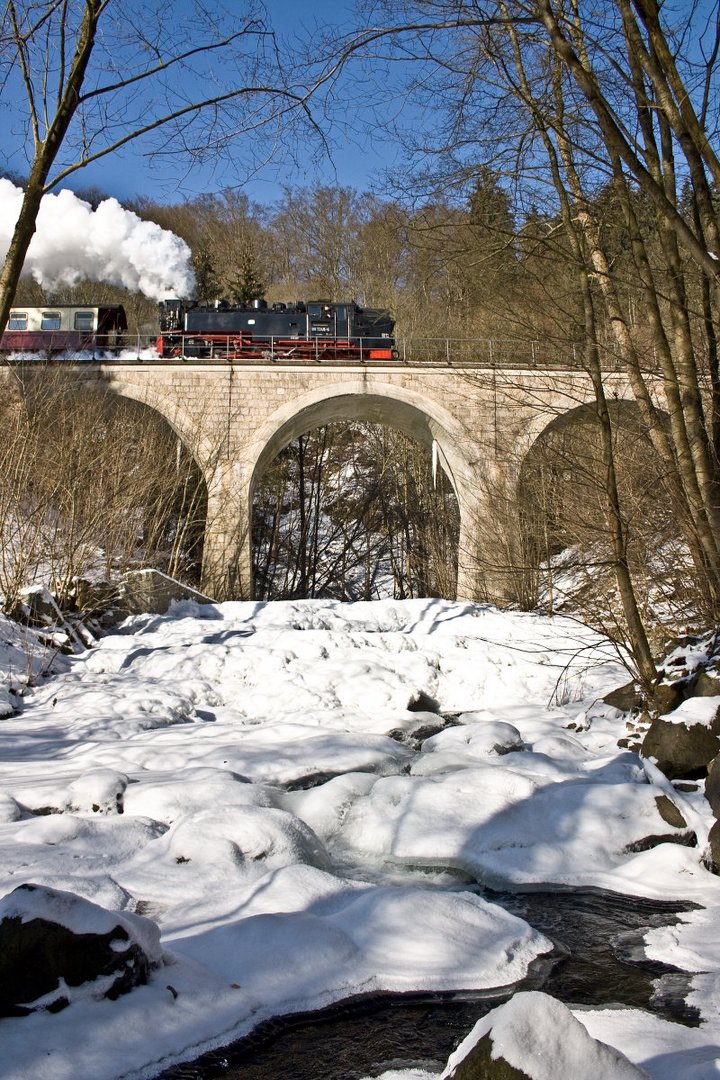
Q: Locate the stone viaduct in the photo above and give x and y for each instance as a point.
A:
(235, 417)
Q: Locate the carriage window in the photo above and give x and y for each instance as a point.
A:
(50, 320)
(18, 320)
(83, 320)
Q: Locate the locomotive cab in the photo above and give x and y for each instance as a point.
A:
(171, 315)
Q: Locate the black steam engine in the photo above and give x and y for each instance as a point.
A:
(316, 330)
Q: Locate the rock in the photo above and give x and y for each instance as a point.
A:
(98, 790)
(666, 697)
(669, 812)
(151, 592)
(625, 698)
(712, 860)
(56, 947)
(93, 597)
(681, 750)
(707, 684)
(712, 786)
(647, 843)
(41, 607)
(478, 735)
(535, 1037)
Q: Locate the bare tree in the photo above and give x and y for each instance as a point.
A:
(117, 491)
(352, 511)
(593, 110)
(94, 76)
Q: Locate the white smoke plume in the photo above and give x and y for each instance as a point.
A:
(110, 244)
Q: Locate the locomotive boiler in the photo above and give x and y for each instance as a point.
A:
(312, 330)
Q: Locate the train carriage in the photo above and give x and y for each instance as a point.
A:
(59, 327)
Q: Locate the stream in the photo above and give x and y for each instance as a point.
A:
(597, 962)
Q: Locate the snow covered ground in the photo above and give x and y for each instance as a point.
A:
(247, 776)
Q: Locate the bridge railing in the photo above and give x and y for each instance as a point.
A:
(498, 352)
(432, 351)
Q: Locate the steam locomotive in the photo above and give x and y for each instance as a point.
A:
(313, 330)
(316, 330)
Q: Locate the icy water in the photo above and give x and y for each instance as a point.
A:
(597, 961)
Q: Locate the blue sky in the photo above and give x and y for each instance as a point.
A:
(356, 161)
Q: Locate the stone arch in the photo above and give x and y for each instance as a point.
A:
(577, 459)
(200, 445)
(380, 402)
(558, 396)
(103, 378)
(548, 423)
(384, 403)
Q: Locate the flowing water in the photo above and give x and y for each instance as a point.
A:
(597, 961)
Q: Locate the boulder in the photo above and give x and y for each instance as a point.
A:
(98, 791)
(152, 592)
(712, 786)
(684, 744)
(707, 683)
(535, 1037)
(666, 696)
(669, 812)
(56, 947)
(671, 815)
(93, 597)
(625, 698)
(40, 606)
(712, 859)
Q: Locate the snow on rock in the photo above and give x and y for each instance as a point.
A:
(75, 914)
(504, 825)
(166, 797)
(56, 947)
(309, 934)
(665, 1050)
(476, 739)
(100, 791)
(242, 835)
(541, 1038)
(10, 810)
(695, 710)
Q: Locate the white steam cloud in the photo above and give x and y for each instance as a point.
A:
(110, 244)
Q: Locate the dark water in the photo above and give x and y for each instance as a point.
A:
(597, 961)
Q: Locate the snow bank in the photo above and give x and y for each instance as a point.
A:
(540, 1036)
(242, 774)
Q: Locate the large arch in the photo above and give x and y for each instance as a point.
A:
(384, 403)
(560, 481)
(183, 422)
(128, 413)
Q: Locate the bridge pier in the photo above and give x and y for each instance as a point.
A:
(227, 552)
(491, 563)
